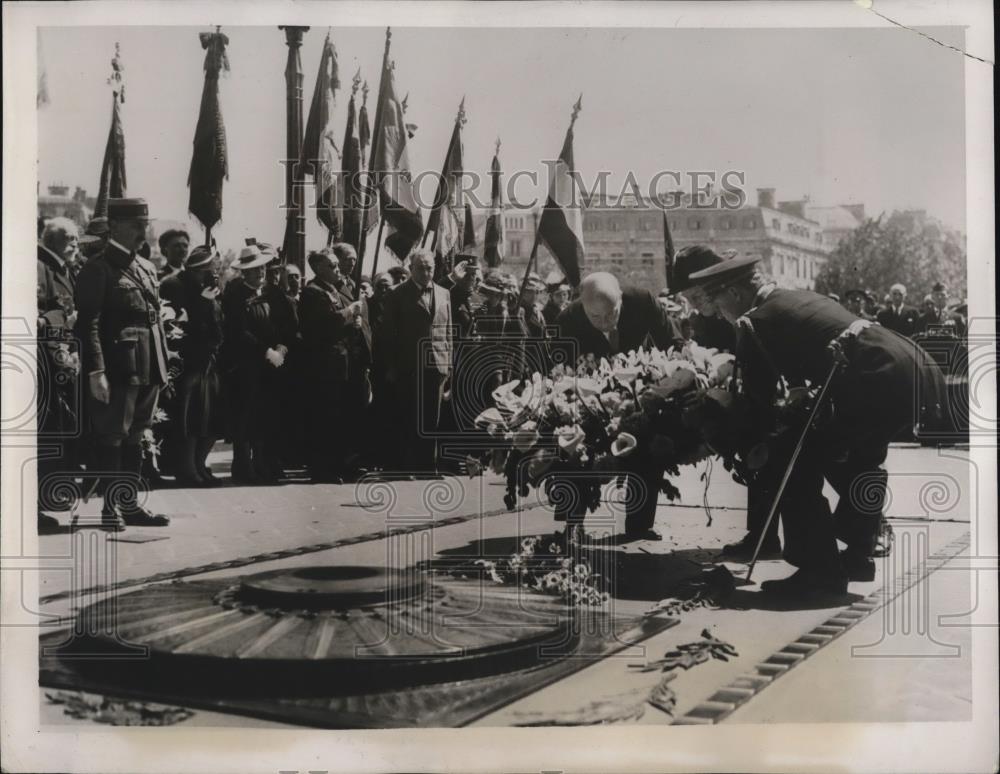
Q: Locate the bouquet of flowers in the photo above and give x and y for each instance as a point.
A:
(601, 418)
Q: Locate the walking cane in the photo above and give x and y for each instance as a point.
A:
(838, 361)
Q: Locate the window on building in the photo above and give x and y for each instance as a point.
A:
(776, 224)
(694, 224)
(726, 224)
(751, 223)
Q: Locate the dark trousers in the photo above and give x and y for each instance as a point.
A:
(325, 435)
(760, 496)
(810, 538)
(122, 420)
(860, 482)
(419, 400)
(642, 490)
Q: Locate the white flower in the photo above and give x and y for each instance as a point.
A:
(570, 438)
(624, 445)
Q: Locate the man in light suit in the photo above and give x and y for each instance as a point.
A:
(415, 340)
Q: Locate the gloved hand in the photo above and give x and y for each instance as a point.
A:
(275, 358)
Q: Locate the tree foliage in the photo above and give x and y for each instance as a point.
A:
(905, 248)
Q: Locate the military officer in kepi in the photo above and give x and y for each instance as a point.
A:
(124, 360)
(885, 383)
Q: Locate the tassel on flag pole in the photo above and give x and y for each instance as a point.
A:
(209, 161)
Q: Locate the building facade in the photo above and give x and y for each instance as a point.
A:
(628, 240)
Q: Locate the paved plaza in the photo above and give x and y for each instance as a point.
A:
(904, 652)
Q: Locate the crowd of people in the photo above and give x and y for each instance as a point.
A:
(337, 379)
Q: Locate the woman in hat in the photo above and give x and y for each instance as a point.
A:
(242, 356)
(197, 421)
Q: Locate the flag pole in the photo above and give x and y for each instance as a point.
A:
(364, 203)
(378, 242)
(295, 218)
(376, 132)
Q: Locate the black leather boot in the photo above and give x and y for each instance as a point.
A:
(132, 513)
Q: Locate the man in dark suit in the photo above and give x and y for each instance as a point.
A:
(886, 383)
(327, 320)
(416, 342)
(57, 364)
(358, 388)
(898, 316)
(605, 320)
(124, 356)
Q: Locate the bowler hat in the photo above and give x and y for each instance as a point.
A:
(128, 209)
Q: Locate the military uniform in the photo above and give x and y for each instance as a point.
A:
(888, 383)
(57, 403)
(121, 335)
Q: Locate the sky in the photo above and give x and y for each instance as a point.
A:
(874, 116)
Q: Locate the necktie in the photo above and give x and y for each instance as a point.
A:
(613, 340)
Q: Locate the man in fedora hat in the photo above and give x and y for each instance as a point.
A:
(886, 383)
(124, 359)
(243, 356)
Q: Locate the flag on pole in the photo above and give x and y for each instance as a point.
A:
(321, 157)
(209, 162)
(352, 186)
(113, 183)
(397, 197)
(443, 221)
(365, 137)
(469, 232)
(560, 228)
(493, 247)
(668, 251)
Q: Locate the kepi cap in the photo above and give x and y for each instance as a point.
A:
(720, 275)
(200, 256)
(128, 209)
(688, 261)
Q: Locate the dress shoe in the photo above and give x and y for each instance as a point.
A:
(140, 517)
(742, 551)
(209, 479)
(858, 568)
(645, 534)
(808, 583)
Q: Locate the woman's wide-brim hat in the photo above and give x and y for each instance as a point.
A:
(252, 256)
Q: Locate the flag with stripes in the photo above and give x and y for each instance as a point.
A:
(560, 228)
(397, 197)
(443, 222)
